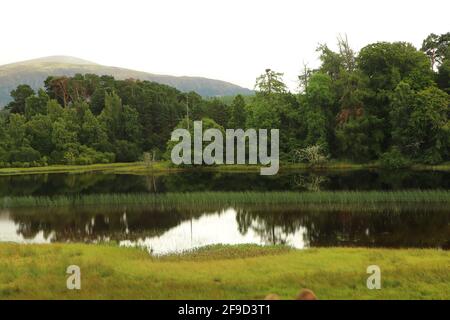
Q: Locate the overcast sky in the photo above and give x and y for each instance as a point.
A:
(232, 40)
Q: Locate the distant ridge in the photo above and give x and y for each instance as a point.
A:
(50, 60)
(34, 72)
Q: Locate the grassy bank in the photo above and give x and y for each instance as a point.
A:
(134, 167)
(224, 199)
(166, 167)
(242, 272)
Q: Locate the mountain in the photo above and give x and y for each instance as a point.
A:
(34, 72)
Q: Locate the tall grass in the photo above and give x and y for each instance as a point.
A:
(240, 272)
(223, 199)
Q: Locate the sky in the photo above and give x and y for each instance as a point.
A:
(231, 40)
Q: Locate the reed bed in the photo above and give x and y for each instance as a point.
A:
(224, 199)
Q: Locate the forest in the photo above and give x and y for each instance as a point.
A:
(387, 103)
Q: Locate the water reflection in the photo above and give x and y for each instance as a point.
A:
(11, 232)
(164, 231)
(221, 227)
(50, 184)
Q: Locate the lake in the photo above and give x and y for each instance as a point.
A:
(167, 231)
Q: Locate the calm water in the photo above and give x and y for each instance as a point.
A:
(50, 184)
(173, 231)
(169, 231)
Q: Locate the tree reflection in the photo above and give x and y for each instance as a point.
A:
(97, 224)
(311, 182)
(420, 227)
(196, 181)
(346, 228)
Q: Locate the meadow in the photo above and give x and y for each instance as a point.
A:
(220, 272)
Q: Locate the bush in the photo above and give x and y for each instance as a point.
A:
(394, 159)
(89, 156)
(127, 151)
(431, 156)
(56, 157)
(3, 155)
(314, 155)
(24, 155)
(81, 155)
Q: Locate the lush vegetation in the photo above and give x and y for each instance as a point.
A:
(389, 102)
(117, 167)
(163, 167)
(34, 72)
(365, 199)
(242, 272)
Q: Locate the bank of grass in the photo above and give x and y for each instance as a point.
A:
(165, 167)
(220, 272)
(133, 167)
(262, 199)
(162, 167)
(439, 167)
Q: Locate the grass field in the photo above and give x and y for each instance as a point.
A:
(162, 167)
(220, 272)
(166, 167)
(134, 167)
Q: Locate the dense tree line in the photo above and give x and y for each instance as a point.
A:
(389, 102)
(87, 119)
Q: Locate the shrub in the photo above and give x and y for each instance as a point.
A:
(127, 151)
(56, 157)
(431, 156)
(89, 156)
(394, 159)
(313, 155)
(24, 155)
(3, 155)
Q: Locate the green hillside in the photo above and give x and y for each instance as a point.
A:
(34, 72)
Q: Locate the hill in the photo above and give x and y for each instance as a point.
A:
(34, 72)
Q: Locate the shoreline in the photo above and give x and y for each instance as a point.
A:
(163, 167)
(340, 199)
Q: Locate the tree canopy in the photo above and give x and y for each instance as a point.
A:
(388, 100)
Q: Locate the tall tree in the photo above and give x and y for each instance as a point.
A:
(443, 76)
(19, 95)
(36, 104)
(237, 113)
(429, 124)
(437, 48)
(39, 132)
(217, 111)
(270, 82)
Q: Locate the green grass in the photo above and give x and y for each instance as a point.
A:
(108, 168)
(365, 199)
(166, 167)
(441, 167)
(220, 272)
(160, 167)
